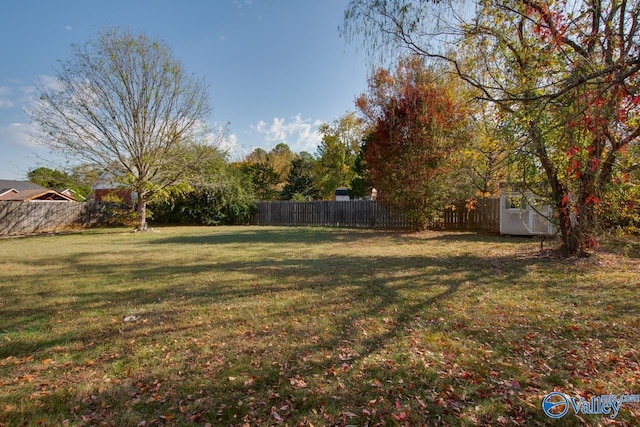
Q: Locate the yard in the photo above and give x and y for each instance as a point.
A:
(302, 326)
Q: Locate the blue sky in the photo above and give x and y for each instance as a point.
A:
(276, 68)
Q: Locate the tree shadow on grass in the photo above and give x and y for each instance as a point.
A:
(276, 235)
(367, 277)
(294, 338)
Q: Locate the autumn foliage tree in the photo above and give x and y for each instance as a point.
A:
(337, 153)
(485, 159)
(268, 171)
(416, 125)
(564, 76)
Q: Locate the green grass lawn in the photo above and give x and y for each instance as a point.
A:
(301, 326)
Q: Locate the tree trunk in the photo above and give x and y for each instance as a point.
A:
(570, 231)
(571, 237)
(142, 211)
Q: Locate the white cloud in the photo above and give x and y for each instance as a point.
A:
(298, 133)
(219, 138)
(17, 134)
(45, 82)
(5, 103)
(31, 93)
(217, 135)
(241, 3)
(68, 27)
(229, 144)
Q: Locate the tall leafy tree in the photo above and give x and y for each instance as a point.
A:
(280, 158)
(301, 179)
(564, 74)
(486, 158)
(337, 153)
(50, 178)
(361, 185)
(417, 125)
(266, 181)
(268, 170)
(124, 103)
(78, 179)
(258, 155)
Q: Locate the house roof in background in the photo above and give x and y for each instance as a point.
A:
(106, 181)
(7, 191)
(7, 184)
(70, 192)
(31, 195)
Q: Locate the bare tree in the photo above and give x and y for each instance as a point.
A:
(124, 103)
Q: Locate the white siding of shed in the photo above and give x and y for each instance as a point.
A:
(519, 219)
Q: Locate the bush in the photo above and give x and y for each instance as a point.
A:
(620, 207)
(226, 202)
(119, 213)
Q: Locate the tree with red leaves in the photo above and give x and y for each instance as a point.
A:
(416, 125)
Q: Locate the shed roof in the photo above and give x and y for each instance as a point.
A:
(341, 191)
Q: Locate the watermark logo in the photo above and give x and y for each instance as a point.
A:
(557, 405)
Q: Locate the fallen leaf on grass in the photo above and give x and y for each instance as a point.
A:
(297, 382)
(402, 416)
(250, 381)
(276, 416)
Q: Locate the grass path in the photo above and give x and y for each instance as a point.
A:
(301, 326)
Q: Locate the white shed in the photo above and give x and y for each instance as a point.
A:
(519, 218)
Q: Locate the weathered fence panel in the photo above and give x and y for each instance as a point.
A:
(22, 218)
(483, 214)
(353, 214)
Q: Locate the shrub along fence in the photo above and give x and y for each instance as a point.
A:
(22, 218)
(355, 214)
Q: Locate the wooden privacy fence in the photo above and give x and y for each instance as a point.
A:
(21, 218)
(483, 214)
(355, 214)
